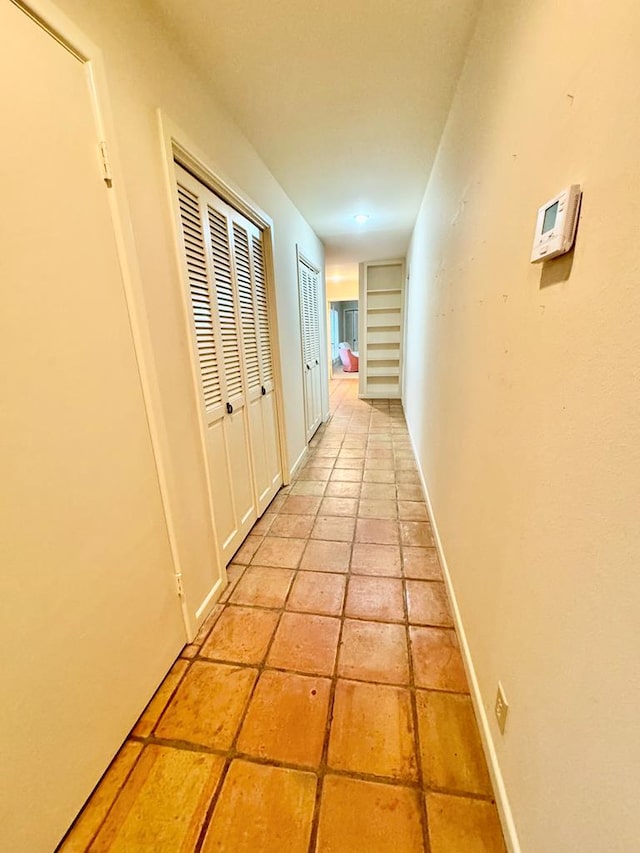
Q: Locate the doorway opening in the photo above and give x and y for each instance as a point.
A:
(344, 338)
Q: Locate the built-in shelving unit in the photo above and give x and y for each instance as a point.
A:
(381, 326)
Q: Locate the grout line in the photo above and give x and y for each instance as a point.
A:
(416, 729)
(379, 435)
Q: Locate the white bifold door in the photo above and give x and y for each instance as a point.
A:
(309, 283)
(228, 302)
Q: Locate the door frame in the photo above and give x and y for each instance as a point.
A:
(302, 258)
(354, 325)
(178, 147)
(48, 16)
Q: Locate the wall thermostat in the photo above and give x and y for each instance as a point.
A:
(556, 225)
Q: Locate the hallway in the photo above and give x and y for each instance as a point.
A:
(325, 693)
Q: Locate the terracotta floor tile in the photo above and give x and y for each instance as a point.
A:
(241, 635)
(154, 709)
(405, 463)
(355, 464)
(407, 492)
(421, 563)
(189, 651)
(346, 475)
(427, 603)
(338, 506)
(278, 501)
(301, 505)
(377, 531)
(287, 719)
(317, 592)
(377, 509)
(375, 598)
(372, 731)
(315, 473)
(262, 525)
(262, 809)
(450, 747)
(343, 490)
(410, 477)
(313, 488)
(263, 586)
(462, 824)
(246, 551)
(378, 453)
(332, 528)
(322, 556)
(90, 818)
(208, 705)
(368, 817)
(325, 453)
(234, 573)
(372, 475)
(376, 560)
(412, 511)
(378, 491)
(437, 662)
(292, 525)
(374, 651)
(279, 553)
(164, 803)
(379, 464)
(305, 643)
(352, 453)
(416, 533)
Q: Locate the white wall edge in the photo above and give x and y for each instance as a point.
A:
(298, 463)
(497, 779)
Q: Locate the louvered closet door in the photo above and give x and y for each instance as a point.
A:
(309, 315)
(256, 343)
(216, 333)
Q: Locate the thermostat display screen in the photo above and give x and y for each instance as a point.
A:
(550, 216)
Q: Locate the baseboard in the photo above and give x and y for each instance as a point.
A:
(500, 791)
(298, 464)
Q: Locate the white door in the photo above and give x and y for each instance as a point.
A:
(216, 333)
(89, 616)
(256, 345)
(351, 328)
(309, 281)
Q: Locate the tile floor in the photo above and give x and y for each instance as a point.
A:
(324, 705)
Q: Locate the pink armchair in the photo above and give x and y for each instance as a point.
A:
(349, 361)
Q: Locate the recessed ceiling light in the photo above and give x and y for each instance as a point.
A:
(361, 218)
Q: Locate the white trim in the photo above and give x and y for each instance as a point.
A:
(55, 22)
(499, 788)
(213, 595)
(299, 463)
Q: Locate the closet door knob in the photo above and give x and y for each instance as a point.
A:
(317, 362)
(264, 390)
(308, 367)
(229, 409)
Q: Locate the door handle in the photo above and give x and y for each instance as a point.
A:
(317, 362)
(229, 409)
(308, 367)
(264, 390)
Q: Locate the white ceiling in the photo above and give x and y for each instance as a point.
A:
(345, 100)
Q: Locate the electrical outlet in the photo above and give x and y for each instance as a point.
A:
(501, 708)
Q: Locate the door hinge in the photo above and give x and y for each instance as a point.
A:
(106, 163)
(179, 585)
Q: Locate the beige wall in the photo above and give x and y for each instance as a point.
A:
(523, 399)
(145, 72)
(342, 282)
